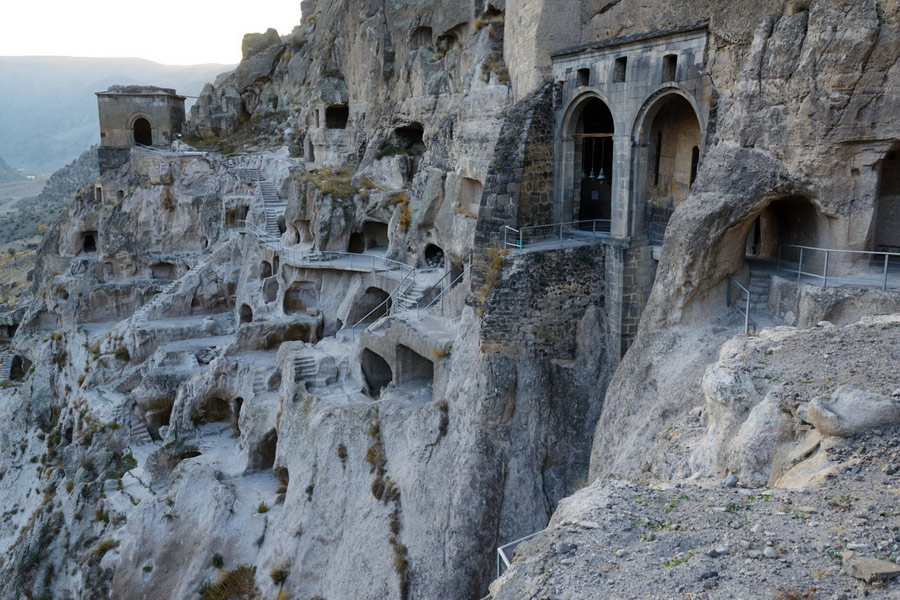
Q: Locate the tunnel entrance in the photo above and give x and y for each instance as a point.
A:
(371, 299)
(593, 161)
(672, 159)
(784, 222)
(20, 368)
(376, 371)
(213, 410)
(143, 133)
(89, 241)
(887, 209)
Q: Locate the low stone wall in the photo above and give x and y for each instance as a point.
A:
(539, 298)
(803, 305)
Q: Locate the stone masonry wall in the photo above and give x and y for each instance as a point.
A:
(629, 279)
(539, 299)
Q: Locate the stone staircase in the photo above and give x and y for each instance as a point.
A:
(408, 299)
(760, 285)
(137, 429)
(6, 365)
(273, 205)
(305, 369)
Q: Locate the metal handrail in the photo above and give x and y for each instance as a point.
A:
(730, 303)
(598, 227)
(297, 256)
(824, 276)
(465, 262)
(501, 552)
(164, 152)
(392, 298)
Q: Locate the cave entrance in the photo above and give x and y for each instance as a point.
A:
(163, 270)
(265, 270)
(246, 314)
(412, 366)
(299, 296)
(786, 222)
(237, 216)
(89, 241)
(337, 116)
(375, 235)
(262, 457)
(143, 133)
(20, 368)
(376, 371)
(593, 171)
(434, 256)
(357, 243)
(371, 299)
(887, 208)
(671, 147)
(213, 410)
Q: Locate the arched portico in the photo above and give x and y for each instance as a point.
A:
(588, 160)
(668, 145)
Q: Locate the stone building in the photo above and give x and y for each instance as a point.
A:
(132, 114)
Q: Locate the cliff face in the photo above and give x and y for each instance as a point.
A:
(804, 98)
(200, 408)
(306, 353)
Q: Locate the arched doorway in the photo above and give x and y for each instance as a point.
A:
(593, 158)
(143, 133)
(669, 135)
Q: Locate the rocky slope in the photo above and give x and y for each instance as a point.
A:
(7, 173)
(810, 513)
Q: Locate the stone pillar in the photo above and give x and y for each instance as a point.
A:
(621, 186)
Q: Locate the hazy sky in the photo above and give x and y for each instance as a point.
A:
(175, 32)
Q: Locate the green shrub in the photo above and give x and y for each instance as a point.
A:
(122, 354)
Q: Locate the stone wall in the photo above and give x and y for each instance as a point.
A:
(629, 279)
(537, 303)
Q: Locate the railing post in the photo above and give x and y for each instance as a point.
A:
(728, 293)
(521, 234)
(505, 232)
(778, 267)
(800, 266)
(747, 314)
(884, 279)
(825, 276)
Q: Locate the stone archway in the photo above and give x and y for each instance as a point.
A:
(142, 132)
(669, 138)
(588, 158)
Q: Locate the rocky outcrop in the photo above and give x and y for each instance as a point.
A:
(793, 112)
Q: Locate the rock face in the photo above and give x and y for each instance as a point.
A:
(309, 352)
(794, 112)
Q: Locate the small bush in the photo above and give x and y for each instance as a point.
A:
(233, 585)
(262, 508)
(101, 515)
(122, 354)
(217, 561)
(279, 576)
(342, 453)
(104, 547)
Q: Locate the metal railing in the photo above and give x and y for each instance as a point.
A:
(503, 560)
(733, 302)
(840, 267)
(442, 286)
(388, 304)
(303, 257)
(167, 152)
(571, 230)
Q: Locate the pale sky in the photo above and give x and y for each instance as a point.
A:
(174, 32)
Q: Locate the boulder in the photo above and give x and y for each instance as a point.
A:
(850, 410)
(868, 569)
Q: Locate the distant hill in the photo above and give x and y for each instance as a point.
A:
(8, 174)
(48, 111)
